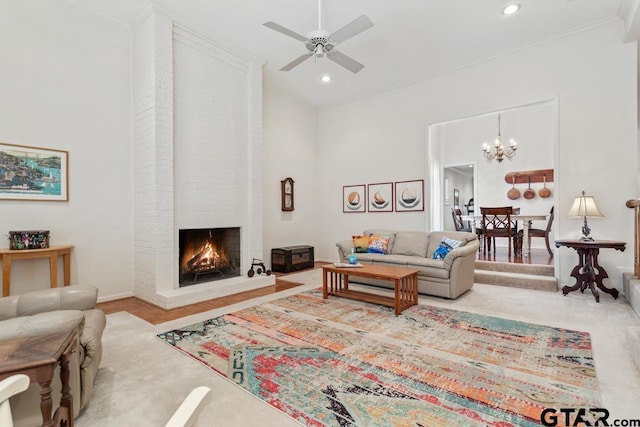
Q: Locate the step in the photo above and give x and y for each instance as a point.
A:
(508, 267)
(516, 280)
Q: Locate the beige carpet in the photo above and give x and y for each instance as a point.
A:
(142, 380)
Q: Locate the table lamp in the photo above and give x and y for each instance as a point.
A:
(585, 206)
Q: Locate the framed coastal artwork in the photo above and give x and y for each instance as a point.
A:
(33, 173)
(380, 197)
(354, 198)
(409, 196)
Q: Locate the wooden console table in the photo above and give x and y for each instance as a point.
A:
(37, 357)
(52, 253)
(588, 273)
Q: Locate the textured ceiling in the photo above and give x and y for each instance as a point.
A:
(410, 39)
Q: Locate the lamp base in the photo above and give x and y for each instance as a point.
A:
(585, 232)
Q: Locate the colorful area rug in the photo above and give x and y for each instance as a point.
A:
(339, 362)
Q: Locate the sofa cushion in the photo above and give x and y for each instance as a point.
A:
(429, 267)
(392, 260)
(446, 245)
(361, 243)
(378, 244)
(435, 238)
(389, 234)
(412, 243)
(370, 258)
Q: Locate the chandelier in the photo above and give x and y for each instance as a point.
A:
(499, 151)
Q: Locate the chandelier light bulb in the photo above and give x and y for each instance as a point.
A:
(498, 151)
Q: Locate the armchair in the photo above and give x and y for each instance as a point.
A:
(56, 310)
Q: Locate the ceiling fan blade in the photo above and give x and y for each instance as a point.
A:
(299, 60)
(353, 28)
(279, 28)
(347, 62)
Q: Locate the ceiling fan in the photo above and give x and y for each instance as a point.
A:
(320, 42)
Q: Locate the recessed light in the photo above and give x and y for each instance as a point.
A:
(326, 78)
(511, 9)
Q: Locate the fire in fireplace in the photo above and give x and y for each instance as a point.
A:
(208, 254)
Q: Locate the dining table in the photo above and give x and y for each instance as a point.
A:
(526, 219)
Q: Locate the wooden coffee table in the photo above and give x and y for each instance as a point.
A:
(37, 357)
(335, 281)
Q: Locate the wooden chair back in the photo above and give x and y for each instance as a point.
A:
(496, 222)
(550, 222)
(457, 220)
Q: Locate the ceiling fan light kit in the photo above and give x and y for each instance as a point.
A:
(320, 43)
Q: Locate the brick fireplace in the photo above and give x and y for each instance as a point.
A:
(197, 158)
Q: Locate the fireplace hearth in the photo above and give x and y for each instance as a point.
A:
(208, 254)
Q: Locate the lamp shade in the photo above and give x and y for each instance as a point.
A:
(584, 206)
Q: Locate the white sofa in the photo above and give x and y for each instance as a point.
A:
(449, 277)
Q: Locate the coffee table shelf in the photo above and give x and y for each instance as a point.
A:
(335, 282)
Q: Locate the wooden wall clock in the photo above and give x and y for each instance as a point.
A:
(286, 186)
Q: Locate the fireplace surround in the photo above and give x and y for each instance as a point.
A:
(197, 156)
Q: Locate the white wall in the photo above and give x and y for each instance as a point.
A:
(593, 76)
(65, 84)
(290, 149)
(532, 126)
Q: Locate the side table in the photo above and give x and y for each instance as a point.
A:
(37, 357)
(588, 273)
(8, 255)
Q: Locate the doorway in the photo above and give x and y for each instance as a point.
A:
(459, 191)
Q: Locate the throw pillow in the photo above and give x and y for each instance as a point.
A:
(361, 243)
(445, 246)
(442, 251)
(378, 244)
(452, 243)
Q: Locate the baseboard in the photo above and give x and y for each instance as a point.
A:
(116, 297)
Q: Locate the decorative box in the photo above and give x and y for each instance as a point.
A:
(32, 239)
(291, 258)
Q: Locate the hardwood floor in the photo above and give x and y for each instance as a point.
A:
(154, 314)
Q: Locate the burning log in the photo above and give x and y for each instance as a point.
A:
(206, 259)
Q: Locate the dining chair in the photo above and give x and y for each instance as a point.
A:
(537, 232)
(457, 220)
(496, 222)
(459, 224)
(469, 206)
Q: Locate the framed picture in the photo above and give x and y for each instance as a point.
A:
(456, 199)
(380, 197)
(33, 173)
(353, 198)
(409, 196)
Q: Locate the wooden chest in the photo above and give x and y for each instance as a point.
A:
(291, 258)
